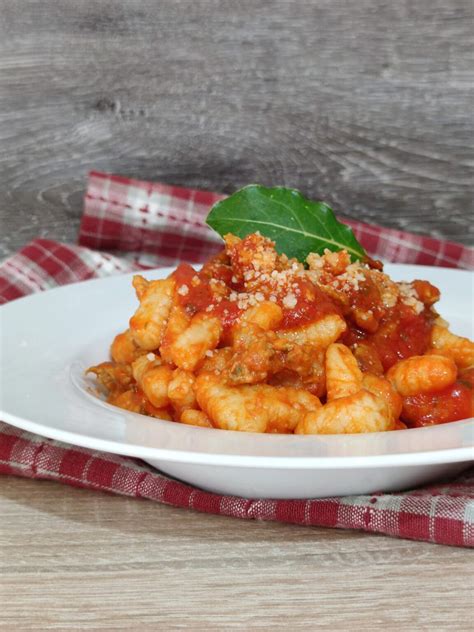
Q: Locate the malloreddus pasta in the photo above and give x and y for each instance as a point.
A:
(258, 342)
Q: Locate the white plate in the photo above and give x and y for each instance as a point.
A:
(48, 339)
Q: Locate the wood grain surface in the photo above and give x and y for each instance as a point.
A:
(80, 560)
(365, 104)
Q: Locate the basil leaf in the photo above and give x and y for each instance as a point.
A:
(297, 225)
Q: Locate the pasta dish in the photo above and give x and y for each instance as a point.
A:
(258, 342)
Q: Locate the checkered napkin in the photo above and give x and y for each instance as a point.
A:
(131, 225)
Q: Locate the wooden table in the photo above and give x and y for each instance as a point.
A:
(76, 559)
(366, 105)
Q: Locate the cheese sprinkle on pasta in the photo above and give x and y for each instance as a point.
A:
(258, 342)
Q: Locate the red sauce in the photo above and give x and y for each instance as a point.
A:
(243, 253)
(427, 293)
(367, 300)
(451, 404)
(228, 313)
(217, 268)
(198, 296)
(401, 334)
(312, 304)
(224, 273)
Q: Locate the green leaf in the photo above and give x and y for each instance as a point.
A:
(297, 225)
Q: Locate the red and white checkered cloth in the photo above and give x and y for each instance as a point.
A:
(129, 224)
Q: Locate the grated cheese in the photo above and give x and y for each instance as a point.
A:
(409, 296)
(289, 301)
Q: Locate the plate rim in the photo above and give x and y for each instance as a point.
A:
(402, 459)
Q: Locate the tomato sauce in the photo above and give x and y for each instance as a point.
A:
(312, 304)
(199, 295)
(450, 404)
(367, 300)
(228, 312)
(401, 334)
(217, 268)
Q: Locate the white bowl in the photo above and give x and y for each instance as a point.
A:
(48, 340)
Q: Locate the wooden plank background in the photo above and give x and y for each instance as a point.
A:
(365, 104)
